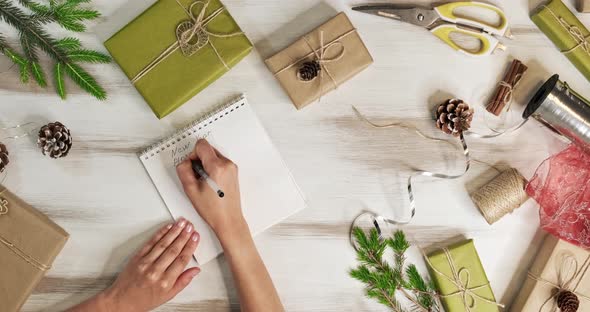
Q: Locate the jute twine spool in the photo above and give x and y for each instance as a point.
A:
(501, 196)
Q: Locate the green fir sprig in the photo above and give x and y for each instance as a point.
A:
(383, 281)
(67, 53)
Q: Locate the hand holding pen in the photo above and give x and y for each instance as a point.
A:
(215, 176)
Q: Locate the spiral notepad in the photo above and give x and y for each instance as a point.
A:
(269, 193)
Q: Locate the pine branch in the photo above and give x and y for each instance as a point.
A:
(69, 43)
(382, 280)
(58, 77)
(33, 60)
(67, 14)
(88, 56)
(84, 80)
(64, 52)
(16, 58)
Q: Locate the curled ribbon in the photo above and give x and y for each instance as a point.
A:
(421, 172)
(461, 279)
(568, 274)
(574, 31)
(192, 35)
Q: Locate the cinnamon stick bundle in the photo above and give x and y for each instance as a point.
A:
(503, 94)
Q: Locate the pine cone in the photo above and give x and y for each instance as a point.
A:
(454, 116)
(309, 70)
(567, 301)
(3, 157)
(55, 140)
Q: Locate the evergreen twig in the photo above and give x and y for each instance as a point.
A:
(66, 52)
(382, 280)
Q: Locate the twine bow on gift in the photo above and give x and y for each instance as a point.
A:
(192, 35)
(461, 279)
(321, 57)
(569, 277)
(3, 206)
(574, 31)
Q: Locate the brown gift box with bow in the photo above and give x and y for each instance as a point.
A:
(338, 50)
(29, 242)
(559, 267)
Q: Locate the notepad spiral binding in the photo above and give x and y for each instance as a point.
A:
(190, 129)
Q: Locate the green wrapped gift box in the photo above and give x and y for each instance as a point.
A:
(566, 31)
(176, 48)
(461, 280)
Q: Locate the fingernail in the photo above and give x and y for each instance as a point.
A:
(182, 222)
(169, 226)
(189, 228)
(195, 272)
(195, 237)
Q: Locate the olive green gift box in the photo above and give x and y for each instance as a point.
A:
(459, 265)
(567, 33)
(177, 77)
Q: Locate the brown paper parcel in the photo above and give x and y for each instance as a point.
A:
(29, 242)
(558, 263)
(345, 55)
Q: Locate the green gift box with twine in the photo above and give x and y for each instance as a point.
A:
(566, 31)
(176, 48)
(461, 280)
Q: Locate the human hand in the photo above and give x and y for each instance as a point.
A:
(224, 215)
(155, 274)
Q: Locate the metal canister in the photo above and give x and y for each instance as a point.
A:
(562, 110)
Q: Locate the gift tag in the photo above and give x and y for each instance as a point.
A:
(190, 39)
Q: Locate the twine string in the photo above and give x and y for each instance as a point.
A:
(23, 255)
(199, 24)
(501, 195)
(507, 99)
(315, 52)
(11, 246)
(574, 31)
(568, 264)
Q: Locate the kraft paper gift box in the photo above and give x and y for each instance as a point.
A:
(566, 31)
(338, 48)
(458, 273)
(29, 242)
(583, 6)
(176, 48)
(558, 266)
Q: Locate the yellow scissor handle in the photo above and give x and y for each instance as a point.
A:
(488, 42)
(447, 13)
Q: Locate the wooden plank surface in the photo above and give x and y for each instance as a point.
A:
(102, 196)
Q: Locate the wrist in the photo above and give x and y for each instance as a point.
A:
(110, 301)
(235, 233)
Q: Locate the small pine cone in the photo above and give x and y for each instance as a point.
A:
(55, 140)
(309, 70)
(567, 301)
(454, 116)
(3, 157)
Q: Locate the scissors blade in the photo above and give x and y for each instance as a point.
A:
(417, 16)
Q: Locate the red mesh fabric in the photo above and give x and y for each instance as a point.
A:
(561, 186)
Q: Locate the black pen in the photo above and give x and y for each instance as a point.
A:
(198, 169)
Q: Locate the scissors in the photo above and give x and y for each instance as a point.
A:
(442, 21)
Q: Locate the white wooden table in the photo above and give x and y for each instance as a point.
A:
(102, 196)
